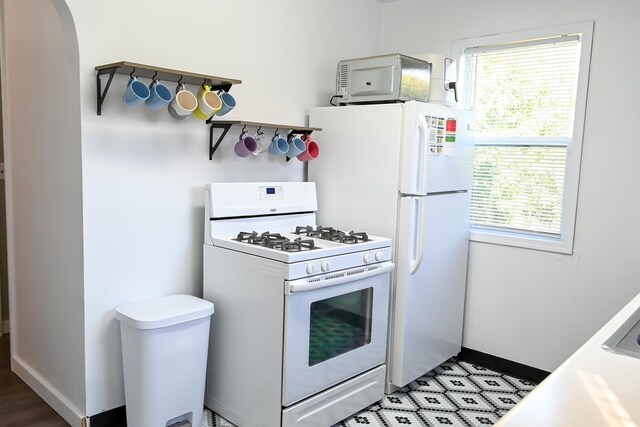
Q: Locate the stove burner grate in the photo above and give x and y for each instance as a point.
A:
(244, 236)
(296, 245)
(331, 234)
(275, 241)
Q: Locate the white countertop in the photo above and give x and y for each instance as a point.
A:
(592, 388)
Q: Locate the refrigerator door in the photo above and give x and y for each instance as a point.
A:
(429, 294)
(437, 151)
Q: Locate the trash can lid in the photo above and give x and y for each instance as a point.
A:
(165, 311)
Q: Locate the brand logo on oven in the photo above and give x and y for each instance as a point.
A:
(273, 210)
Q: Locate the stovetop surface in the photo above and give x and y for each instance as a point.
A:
(332, 234)
(303, 238)
(300, 243)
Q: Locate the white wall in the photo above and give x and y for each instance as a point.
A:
(44, 194)
(529, 306)
(144, 172)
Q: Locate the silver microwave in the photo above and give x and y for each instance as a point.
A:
(385, 78)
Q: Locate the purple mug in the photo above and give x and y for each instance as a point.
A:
(245, 145)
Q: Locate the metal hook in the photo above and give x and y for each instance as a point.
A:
(132, 71)
(204, 83)
(154, 77)
(276, 132)
(258, 132)
(180, 81)
(244, 127)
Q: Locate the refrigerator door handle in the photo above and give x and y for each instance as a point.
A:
(421, 156)
(418, 235)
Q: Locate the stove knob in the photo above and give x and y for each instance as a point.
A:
(311, 268)
(325, 266)
(379, 256)
(367, 258)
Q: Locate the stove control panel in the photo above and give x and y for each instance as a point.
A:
(307, 268)
(271, 193)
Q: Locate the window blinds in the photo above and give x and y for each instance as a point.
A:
(524, 95)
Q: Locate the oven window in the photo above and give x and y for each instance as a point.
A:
(340, 324)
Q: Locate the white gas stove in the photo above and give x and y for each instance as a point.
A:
(264, 220)
(302, 309)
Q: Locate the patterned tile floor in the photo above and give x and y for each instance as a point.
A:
(456, 393)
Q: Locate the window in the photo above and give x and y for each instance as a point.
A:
(529, 92)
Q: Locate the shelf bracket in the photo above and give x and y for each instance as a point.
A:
(297, 132)
(224, 87)
(102, 94)
(212, 147)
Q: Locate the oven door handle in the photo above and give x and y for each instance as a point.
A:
(305, 286)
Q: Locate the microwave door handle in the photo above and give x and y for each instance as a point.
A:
(450, 84)
(418, 235)
(453, 86)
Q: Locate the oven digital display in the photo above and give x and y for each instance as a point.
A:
(271, 193)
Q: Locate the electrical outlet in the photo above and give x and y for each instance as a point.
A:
(1, 170)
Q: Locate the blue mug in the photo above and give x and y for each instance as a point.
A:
(136, 92)
(228, 103)
(278, 146)
(160, 96)
(296, 147)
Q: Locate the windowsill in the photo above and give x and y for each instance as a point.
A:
(524, 241)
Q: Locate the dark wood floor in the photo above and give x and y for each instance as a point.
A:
(19, 405)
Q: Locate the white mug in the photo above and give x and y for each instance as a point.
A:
(183, 103)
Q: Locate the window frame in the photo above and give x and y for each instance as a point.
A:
(563, 244)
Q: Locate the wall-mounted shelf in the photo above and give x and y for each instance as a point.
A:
(225, 125)
(150, 71)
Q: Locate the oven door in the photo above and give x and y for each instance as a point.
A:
(335, 328)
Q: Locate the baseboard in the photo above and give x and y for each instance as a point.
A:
(47, 392)
(6, 327)
(116, 417)
(504, 366)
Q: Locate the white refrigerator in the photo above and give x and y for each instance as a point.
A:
(404, 171)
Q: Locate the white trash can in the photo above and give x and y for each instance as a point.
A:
(164, 353)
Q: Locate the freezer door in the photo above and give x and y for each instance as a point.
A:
(437, 149)
(357, 173)
(452, 168)
(428, 300)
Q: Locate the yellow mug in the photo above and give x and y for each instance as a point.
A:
(209, 103)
